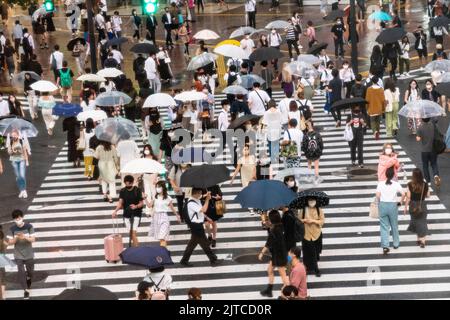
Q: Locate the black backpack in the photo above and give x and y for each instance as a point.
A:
(439, 145)
(26, 44)
(231, 79)
(185, 211)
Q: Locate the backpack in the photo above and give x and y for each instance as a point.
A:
(157, 293)
(185, 211)
(26, 44)
(312, 147)
(290, 150)
(65, 78)
(299, 228)
(231, 79)
(439, 145)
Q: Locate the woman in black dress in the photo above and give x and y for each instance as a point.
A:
(72, 126)
(276, 245)
(130, 109)
(211, 227)
(15, 108)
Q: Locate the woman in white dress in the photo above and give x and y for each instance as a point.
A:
(162, 204)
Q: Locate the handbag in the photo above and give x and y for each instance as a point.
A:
(167, 60)
(373, 209)
(415, 209)
(348, 133)
(221, 207)
(81, 142)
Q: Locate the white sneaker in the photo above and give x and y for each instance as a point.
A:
(25, 194)
(21, 194)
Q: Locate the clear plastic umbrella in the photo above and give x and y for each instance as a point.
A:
(19, 78)
(159, 100)
(95, 115)
(6, 262)
(302, 69)
(112, 98)
(91, 77)
(308, 58)
(440, 65)
(248, 80)
(201, 60)
(109, 73)
(278, 24)
(190, 96)
(421, 109)
(23, 126)
(115, 129)
(445, 77)
(235, 90)
(242, 31)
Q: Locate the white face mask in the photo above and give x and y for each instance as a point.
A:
(311, 203)
(388, 151)
(171, 134)
(429, 86)
(19, 222)
(273, 32)
(345, 66)
(159, 190)
(147, 152)
(291, 184)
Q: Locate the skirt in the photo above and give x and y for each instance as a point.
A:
(418, 223)
(159, 227)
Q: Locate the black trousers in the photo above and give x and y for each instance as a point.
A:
(180, 204)
(394, 63)
(429, 158)
(339, 47)
(311, 254)
(152, 32)
(198, 238)
(252, 19)
(336, 114)
(292, 43)
(24, 275)
(200, 4)
(348, 88)
(439, 39)
(136, 34)
(357, 145)
(101, 34)
(168, 35)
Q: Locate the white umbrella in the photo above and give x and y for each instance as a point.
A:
(109, 73)
(190, 96)
(206, 35)
(231, 51)
(159, 100)
(242, 31)
(278, 24)
(95, 115)
(91, 77)
(44, 86)
(201, 60)
(140, 166)
(308, 58)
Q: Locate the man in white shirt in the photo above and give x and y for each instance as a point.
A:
(257, 100)
(272, 122)
(4, 107)
(274, 40)
(116, 22)
(248, 46)
(195, 218)
(293, 134)
(250, 9)
(152, 76)
(58, 57)
(17, 36)
(100, 25)
(283, 107)
(223, 122)
(117, 55)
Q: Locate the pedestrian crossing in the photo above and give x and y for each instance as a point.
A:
(71, 221)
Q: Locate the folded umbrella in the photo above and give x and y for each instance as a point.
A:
(190, 96)
(191, 155)
(390, 35)
(248, 80)
(115, 129)
(66, 109)
(86, 293)
(95, 115)
(421, 109)
(308, 58)
(112, 98)
(117, 41)
(440, 65)
(301, 201)
(228, 50)
(73, 42)
(144, 48)
(206, 35)
(147, 257)
(109, 73)
(348, 103)
(440, 21)
(242, 31)
(143, 165)
(205, 176)
(7, 125)
(278, 24)
(380, 16)
(91, 77)
(233, 89)
(239, 122)
(201, 60)
(19, 78)
(265, 195)
(315, 49)
(265, 54)
(159, 100)
(44, 86)
(333, 15)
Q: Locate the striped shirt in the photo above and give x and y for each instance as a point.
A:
(290, 34)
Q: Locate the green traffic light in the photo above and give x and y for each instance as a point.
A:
(49, 6)
(150, 8)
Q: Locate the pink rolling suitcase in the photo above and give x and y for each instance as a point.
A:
(113, 245)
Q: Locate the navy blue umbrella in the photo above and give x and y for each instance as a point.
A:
(149, 257)
(66, 109)
(265, 195)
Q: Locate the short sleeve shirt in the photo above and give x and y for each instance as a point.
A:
(131, 197)
(389, 192)
(23, 249)
(426, 134)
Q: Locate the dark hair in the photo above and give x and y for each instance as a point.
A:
(143, 286)
(293, 123)
(89, 125)
(56, 47)
(244, 65)
(335, 73)
(390, 173)
(25, 30)
(330, 63)
(289, 290)
(106, 145)
(65, 64)
(409, 85)
(239, 96)
(128, 178)
(297, 252)
(162, 184)
(195, 294)
(233, 68)
(149, 147)
(358, 77)
(157, 269)
(417, 180)
(256, 84)
(2, 235)
(274, 217)
(289, 94)
(197, 190)
(426, 120)
(375, 80)
(17, 214)
(390, 84)
(224, 102)
(309, 23)
(293, 106)
(271, 104)
(264, 63)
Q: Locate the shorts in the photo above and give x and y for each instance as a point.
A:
(66, 91)
(422, 53)
(136, 223)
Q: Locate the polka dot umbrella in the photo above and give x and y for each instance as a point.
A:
(321, 198)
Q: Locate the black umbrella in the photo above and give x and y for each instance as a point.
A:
(86, 293)
(73, 42)
(315, 49)
(441, 21)
(333, 15)
(390, 35)
(321, 198)
(443, 88)
(265, 54)
(205, 176)
(144, 48)
(348, 103)
(239, 122)
(117, 41)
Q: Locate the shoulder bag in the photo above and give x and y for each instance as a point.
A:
(373, 209)
(81, 142)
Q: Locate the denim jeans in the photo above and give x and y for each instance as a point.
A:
(388, 212)
(429, 158)
(19, 171)
(274, 150)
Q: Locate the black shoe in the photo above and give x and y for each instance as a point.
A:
(267, 292)
(213, 243)
(422, 245)
(26, 295)
(186, 264)
(28, 283)
(216, 262)
(395, 248)
(210, 239)
(318, 273)
(386, 250)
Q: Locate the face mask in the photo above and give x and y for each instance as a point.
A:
(357, 111)
(388, 151)
(171, 134)
(159, 190)
(273, 31)
(345, 66)
(19, 222)
(291, 184)
(248, 126)
(311, 203)
(147, 152)
(338, 23)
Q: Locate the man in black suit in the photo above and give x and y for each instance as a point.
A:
(152, 23)
(167, 21)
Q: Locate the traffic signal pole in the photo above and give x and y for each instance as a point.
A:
(92, 47)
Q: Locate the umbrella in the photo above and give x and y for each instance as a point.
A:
(278, 24)
(190, 96)
(229, 41)
(239, 122)
(95, 115)
(44, 86)
(148, 257)
(440, 21)
(109, 73)
(421, 109)
(242, 31)
(112, 98)
(86, 293)
(235, 90)
(291, 172)
(265, 54)
(159, 100)
(302, 69)
(348, 103)
(201, 60)
(308, 58)
(258, 31)
(333, 15)
(440, 65)
(321, 198)
(390, 35)
(190, 155)
(315, 49)
(228, 50)
(445, 77)
(8, 125)
(265, 195)
(6, 262)
(248, 80)
(443, 88)
(205, 176)
(206, 35)
(380, 15)
(19, 79)
(144, 48)
(73, 42)
(66, 109)
(143, 165)
(117, 41)
(91, 77)
(115, 129)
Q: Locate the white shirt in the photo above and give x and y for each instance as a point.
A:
(162, 279)
(326, 76)
(274, 39)
(255, 102)
(116, 23)
(100, 21)
(247, 45)
(296, 136)
(389, 192)
(238, 77)
(347, 75)
(150, 68)
(59, 57)
(88, 152)
(4, 108)
(222, 121)
(250, 5)
(17, 31)
(162, 205)
(104, 8)
(391, 97)
(283, 107)
(30, 40)
(127, 150)
(305, 103)
(405, 50)
(272, 119)
(195, 215)
(108, 87)
(117, 55)
(295, 115)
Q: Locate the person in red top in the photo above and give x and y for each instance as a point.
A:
(297, 278)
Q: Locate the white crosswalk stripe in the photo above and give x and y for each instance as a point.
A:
(71, 220)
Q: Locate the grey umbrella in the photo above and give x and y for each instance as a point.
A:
(421, 109)
(235, 90)
(112, 98)
(242, 31)
(201, 60)
(302, 69)
(278, 24)
(441, 65)
(308, 58)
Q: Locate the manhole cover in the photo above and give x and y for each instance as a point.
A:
(250, 258)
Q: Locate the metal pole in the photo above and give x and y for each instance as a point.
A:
(90, 11)
(353, 36)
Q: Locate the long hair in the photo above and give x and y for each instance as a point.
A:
(409, 85)
(274, 217)
(385, 146)
(417, 180)
(376, 52)
(390, 175)
(149, 147)
(90, 125)
(162, 184)
(286, 76)
(106, 145)
(390, 84)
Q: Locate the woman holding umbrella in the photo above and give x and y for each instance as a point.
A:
(164, 60)
(211, 225)
(19, 155)
(312, 146)
(412, 94)
(88, 152)
(108, 162)
(74, 153)
(46, 103)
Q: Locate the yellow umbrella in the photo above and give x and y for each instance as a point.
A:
(229, 41)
